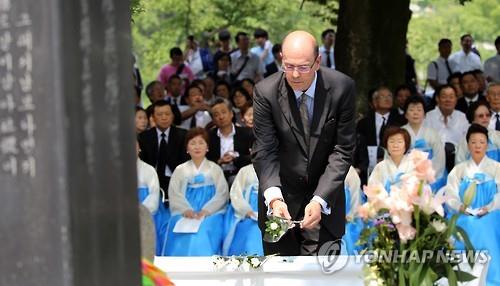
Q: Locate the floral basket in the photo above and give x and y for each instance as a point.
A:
(408, 236)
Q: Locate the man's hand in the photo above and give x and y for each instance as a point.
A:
(312, 215)
(280, 209)
(226, 159)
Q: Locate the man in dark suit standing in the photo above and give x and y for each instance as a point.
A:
(229, 144)
(163, 146)
(305, 136)
(275, 66)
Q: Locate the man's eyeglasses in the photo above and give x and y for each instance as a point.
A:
(300, 69)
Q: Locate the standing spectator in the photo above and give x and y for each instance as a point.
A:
(199, 59)
(224, 44)
(493, 98)
(196, 113)
(327, 49)
(263, 47)
(245, 64)
(450, 123)
(410, 73)
(440, 69)
(466, 60)
(470, 89)
(176, 66)
(275, 66)
(163, 146)
(229, 145)
(492, 65)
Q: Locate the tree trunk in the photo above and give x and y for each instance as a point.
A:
(370, 44)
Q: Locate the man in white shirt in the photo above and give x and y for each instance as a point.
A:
(439, 70)
(451, 124)
(493, 98)
(197, 112)
(263, 47)
(245, 64)
(326, 50)
(229, 145)
(492, 65)
(466, 60)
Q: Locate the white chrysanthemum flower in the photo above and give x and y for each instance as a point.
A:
(274, 226)
(255, 262)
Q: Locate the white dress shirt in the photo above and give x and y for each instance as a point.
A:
(322, 52)
(379, 120)
(275, 192)
(202, 118)
(168, 172)
(493, 120)
(227, 145)
(455, 128)
(195, 63)
(466, 62)
(440, 74)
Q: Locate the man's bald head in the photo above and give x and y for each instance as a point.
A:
(300, 42)
(300, 59)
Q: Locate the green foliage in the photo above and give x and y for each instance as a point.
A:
(165, 23)
(448, 19)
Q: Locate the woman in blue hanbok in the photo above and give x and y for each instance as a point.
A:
(388, 172)
(480, 113)
(198, 194)
(354, 224)
(243, 236)
(425, 139)
(481, 218)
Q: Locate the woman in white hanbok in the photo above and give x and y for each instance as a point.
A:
(480, 113)
(148, 191)
(425, 139)
(243, 236)
(388, 172)
(354, 224)
(197, 191)
(481, 217)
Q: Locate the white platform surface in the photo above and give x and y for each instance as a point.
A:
(278, 271)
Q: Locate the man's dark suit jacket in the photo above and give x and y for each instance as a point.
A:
(462, 104)
(270, 69)
(367, 128)
(176, 151)
(243, 139)
(281, 158)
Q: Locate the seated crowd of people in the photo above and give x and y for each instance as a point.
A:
(195, 139)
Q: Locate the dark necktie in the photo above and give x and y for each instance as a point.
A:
(382, 129)
(193, 121)
(328, 60)
(448, 66)
(497, 124)
(304, 116)
(162, 156)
